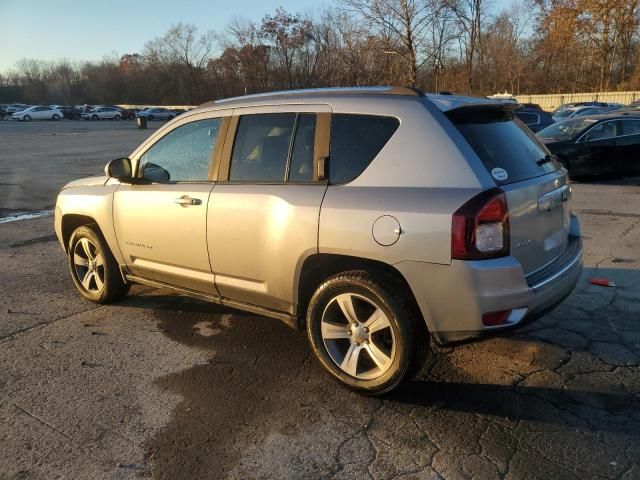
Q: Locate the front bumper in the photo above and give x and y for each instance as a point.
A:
(453, 298)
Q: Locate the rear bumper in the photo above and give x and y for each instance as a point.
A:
(453, 298)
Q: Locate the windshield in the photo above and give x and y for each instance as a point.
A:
(566, 129)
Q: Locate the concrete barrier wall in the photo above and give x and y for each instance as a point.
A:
(553, 101)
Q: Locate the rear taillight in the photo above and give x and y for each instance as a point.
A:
(480, 228)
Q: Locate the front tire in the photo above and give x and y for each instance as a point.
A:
(364, 332)
(94, 271)
(95, 117)
(27, 118)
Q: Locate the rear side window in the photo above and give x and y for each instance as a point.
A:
(355, 142)
(261, 148)
(509, 151)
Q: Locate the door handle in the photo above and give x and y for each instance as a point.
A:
(186, 200)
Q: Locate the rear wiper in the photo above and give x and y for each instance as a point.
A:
(545, 159)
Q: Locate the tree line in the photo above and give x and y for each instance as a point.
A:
(533, 46)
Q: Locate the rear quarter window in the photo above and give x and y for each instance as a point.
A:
(509, 151)
(355, 142)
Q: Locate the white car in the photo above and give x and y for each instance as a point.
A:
(101, 113)
(38, 112)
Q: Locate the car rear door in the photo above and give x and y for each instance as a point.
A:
(161, 221)
(537, 189)
(263, 213)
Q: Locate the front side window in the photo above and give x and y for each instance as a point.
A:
(261, 147)
(602, 131)
(183, 155)
(355, 141)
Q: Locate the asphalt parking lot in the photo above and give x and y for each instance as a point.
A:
(170, 387)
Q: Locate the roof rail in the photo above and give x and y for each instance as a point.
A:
(384, 90)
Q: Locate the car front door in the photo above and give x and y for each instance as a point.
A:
(263, 213)
(599, 149)
(41, 113)
(161, 221)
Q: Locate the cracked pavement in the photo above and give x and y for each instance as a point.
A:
(170, 387)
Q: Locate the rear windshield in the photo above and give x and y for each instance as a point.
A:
(509, 150)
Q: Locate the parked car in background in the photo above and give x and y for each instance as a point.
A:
(571, 112)
(156, 114)
(103, 113)
(534, 119)
(128, 113)
(69, 112)
(327, 214)
(532, 106)
(596, 145)
(178, 111)
(587, 111)
(38, 112)
(15, 107)
(578, 104)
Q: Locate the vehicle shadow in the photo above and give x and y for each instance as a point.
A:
(607, 179)
(593, 411)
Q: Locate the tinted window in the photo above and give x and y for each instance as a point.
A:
(261, 147)
(355, 142)
(603, 130)
(527, 118)
(184, 154)
(301, 168)
(631, 127)
(509, 151)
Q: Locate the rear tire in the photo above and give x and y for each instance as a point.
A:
(55, 117)
(117, 118)
(94, 270)
(364, 331)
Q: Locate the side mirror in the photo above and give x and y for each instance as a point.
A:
(120, 169)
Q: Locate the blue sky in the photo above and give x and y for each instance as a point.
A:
(90, 29)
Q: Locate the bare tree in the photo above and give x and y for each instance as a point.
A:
(182, 46)
(402, 26)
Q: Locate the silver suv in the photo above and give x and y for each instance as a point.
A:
(373, 217)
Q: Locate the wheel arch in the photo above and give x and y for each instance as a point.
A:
(320, 266)
(71, 221)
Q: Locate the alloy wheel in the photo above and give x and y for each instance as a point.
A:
(358, 336)
(88, 265)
